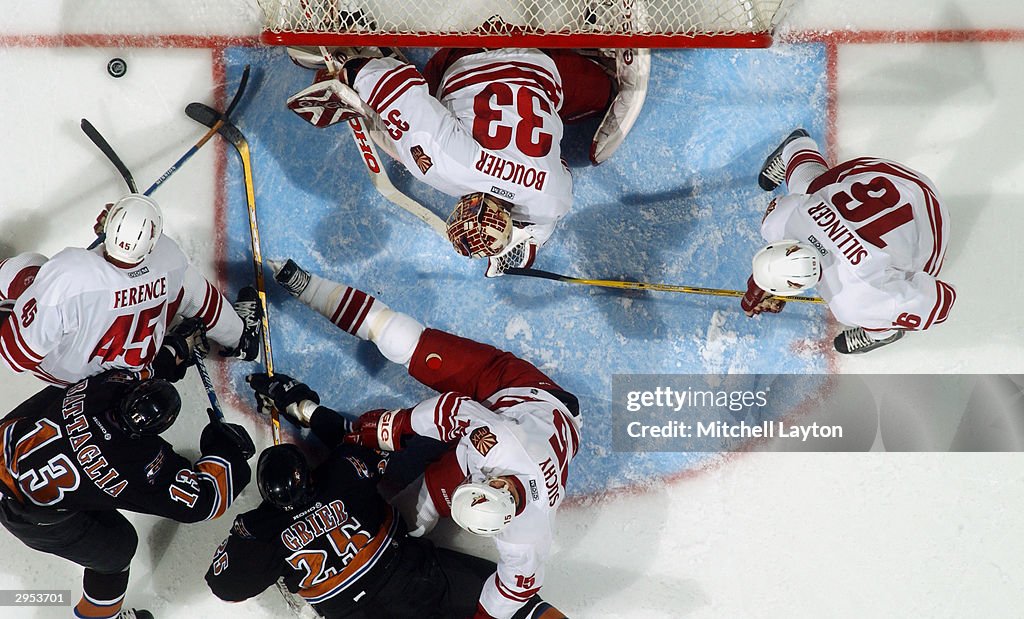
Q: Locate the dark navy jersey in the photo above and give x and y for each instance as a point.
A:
(329, 552)
(61, 450)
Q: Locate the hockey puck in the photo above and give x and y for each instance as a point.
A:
(117, 67)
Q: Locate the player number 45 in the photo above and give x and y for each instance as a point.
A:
(131, 337)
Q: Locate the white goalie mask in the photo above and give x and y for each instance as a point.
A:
(482, 509)
(133, 226)
(480, 225)
(786, 268)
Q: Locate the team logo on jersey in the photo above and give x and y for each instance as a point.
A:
(423, 161)
(238, 528)
(154, 467)
(360, 468)
(768, 211)
(483, 440)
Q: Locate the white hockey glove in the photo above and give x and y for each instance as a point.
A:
(327, 102)
(520, 253)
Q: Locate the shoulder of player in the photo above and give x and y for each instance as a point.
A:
(69, 268)
(262, 524)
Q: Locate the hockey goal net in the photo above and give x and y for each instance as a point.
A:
(522, 23)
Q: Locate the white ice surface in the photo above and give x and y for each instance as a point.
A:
(761, 535)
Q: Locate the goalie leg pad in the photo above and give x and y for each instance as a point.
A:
(632, 73)
(327, 102)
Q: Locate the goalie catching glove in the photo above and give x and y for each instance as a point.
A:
(292, 398)
(381, 429)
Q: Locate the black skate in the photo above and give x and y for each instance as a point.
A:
(290, 275)
(773, 171)
(132, 613)
(856, 341)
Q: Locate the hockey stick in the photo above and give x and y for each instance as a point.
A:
(105, 147)
(365, 136)
(206, 137)
(210, 117)
(382, 182)
(608, 283)
(216, 412)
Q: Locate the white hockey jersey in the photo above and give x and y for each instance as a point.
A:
(881, 232)
(505, 417)
(82, 315)
(494, 127)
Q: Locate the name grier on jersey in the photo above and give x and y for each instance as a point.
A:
(141, 293)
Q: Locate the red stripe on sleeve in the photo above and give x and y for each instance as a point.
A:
(390, 83)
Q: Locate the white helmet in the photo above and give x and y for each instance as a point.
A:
(786, 268)
(480, 225)
(133, 226)
(482, 509)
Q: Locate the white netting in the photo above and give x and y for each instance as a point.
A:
(555, 18)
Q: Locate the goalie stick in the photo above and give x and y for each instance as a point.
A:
(366, 136)
(610, 283)
(210, 117)
(126, 174)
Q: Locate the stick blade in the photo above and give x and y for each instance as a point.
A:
(201, 113)
(206, 115)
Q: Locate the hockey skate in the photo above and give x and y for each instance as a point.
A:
(290, 275)
(773, 171)
(132, 613)
(856, 341)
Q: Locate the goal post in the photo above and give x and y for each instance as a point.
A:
(522, 23)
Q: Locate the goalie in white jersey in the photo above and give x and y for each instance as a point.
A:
(484, 126)
(83, 312)
(869, 234)
(511, 432)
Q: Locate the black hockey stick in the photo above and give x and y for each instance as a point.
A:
(206, 137)
(104, 146)
(210, 117)
(612, 283)
(215, 411)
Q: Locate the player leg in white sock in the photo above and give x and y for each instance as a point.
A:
(354, 311)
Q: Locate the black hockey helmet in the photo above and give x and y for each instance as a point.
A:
(149, 407)
(284, 478)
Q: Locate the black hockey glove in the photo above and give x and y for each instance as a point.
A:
(250, 310)
(281, 391)
(175, 354)
(220, 438)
